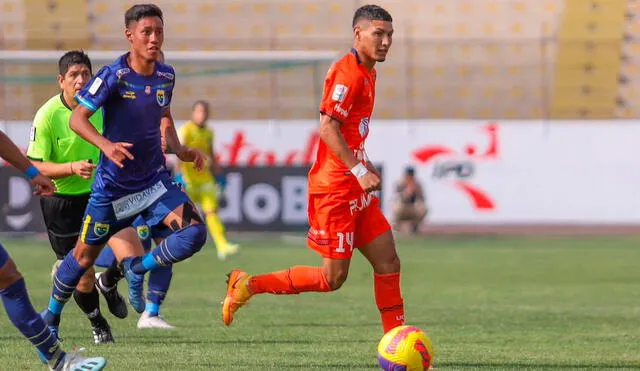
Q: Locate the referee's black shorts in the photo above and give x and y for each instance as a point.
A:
(63, 219)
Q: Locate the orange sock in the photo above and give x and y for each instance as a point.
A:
(290, 281)
(389, 300)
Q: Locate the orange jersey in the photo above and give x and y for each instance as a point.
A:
(348, 97)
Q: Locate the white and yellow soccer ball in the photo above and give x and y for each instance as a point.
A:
(405, 348)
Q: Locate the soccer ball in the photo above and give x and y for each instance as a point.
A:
(405, 348)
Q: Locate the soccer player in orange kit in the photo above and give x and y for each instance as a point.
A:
(344, 214)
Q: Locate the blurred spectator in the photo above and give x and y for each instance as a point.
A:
(410, 202)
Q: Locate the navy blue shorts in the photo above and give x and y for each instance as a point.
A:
(105, 216)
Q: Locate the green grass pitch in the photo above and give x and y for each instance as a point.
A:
(488, 303)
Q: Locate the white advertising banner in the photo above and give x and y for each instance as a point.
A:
(473, 172)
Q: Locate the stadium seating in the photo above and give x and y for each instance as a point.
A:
(450, 59)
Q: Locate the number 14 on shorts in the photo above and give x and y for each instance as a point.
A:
(343, 238)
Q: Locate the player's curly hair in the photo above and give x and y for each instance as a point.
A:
(139, 11)
(72, 58)
(371, 13)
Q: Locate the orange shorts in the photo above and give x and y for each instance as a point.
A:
(340, 223)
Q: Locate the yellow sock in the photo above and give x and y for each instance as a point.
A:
(217, 231)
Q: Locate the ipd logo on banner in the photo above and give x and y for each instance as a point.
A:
(459, 165)
(270, 198)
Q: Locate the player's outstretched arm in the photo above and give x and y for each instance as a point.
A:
(173, 145)
(56, 170)
(171, 141)
(10, 152)
(330, 134)
(79, 123)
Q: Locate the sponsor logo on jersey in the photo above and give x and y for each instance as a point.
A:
(135, 203)
(93, 89)
(341, 110)
(129, 95)
(121, 72)
(339, 93)
(166, 75)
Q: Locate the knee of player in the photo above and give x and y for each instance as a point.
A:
(394, 263)
(387, 264)
(87, 281)
(9, 274)
(85, 255)
(336, 279)
(197, 236)
(391, 265)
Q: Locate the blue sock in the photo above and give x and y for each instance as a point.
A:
(177, 247)
(64, 283)
(152, 308)
(159, 282)
(24, 317)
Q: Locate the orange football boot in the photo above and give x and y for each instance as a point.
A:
(238, 294)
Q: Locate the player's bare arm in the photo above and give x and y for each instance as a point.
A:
(330, 134)
(164, 122)
(174, 146)
(171, 141)
(10, 152)
(79, 123)
(55, 170)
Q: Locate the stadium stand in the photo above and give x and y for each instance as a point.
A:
(588, 61)
(450, 59)
(629, 72)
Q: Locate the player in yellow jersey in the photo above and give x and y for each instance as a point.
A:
(201, 185)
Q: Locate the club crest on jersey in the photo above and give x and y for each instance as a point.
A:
(147, 89)
(160, 97)
(100, 229)
(364, 127)
(143, 232)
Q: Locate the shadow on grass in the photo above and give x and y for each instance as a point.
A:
(145, 340)
(337, 325)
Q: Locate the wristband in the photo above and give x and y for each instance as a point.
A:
(31, 172)
(359, 170)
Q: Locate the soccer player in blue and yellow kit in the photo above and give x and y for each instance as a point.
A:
(159, 279)
(131, 179)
